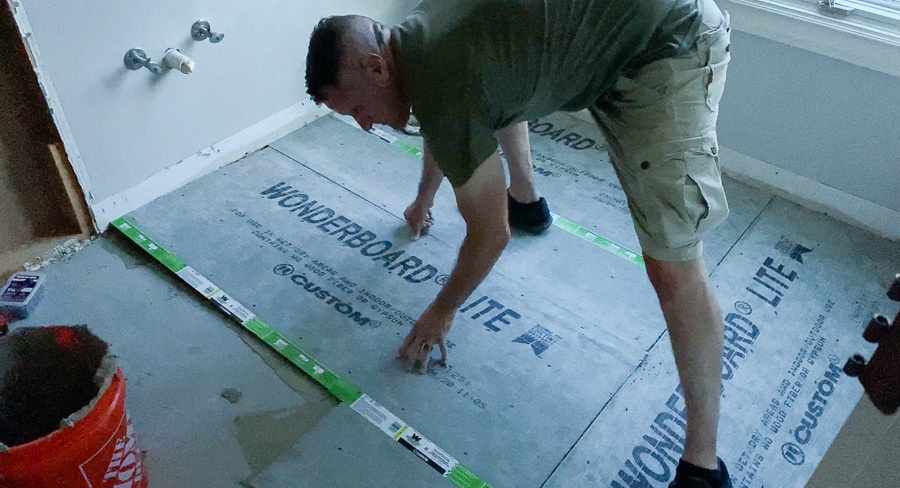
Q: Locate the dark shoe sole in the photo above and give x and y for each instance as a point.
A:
(533, 218)
(692, 482)
(537, 230)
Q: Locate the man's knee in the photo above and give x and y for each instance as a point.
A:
(670, 277)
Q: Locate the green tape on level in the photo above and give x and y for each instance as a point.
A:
(341, 388)
(598, 240)
(465, 478)
(169, 260)
(258, 327)
(407, 147)
(344, 390)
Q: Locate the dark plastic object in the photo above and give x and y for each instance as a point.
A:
(877, 329)
(894, 292)
(880, 375)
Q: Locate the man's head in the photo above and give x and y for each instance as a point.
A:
(351, 69)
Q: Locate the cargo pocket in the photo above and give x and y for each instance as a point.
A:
(715, 50)
(704, 196)
(633, 93)
(659, 204)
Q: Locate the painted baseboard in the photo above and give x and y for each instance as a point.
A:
(206, 161)
(812, 194)
(790, 186)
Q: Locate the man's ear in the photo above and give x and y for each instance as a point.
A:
(376, 66)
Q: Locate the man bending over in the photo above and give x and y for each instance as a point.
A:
(651, 72)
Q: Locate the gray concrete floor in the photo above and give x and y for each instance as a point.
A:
(580, 425)
(179, 355)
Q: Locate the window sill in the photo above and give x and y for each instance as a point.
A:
(855, 39)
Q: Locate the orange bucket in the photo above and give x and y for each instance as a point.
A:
(45, 373)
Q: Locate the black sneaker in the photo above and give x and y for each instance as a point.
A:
(533, 218)
(694, 482)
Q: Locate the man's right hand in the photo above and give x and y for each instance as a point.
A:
(429, 331)
(418, 218)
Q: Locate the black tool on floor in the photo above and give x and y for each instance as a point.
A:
(880, 376)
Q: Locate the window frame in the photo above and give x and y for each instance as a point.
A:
(868, 37)
(882, 10)
(890, 4)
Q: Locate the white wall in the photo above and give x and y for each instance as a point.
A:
(809, 125)
(827, 120)
(125, 131)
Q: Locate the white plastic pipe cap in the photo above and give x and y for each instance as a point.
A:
(175, 59)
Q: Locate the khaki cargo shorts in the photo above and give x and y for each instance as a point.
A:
(660, 128)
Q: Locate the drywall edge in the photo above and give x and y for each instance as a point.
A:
(206, 161)
(53, 102)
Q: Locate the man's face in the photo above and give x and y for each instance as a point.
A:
(366, 92)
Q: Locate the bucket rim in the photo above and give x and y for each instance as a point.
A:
(103, 377)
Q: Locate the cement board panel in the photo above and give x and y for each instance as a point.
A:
(525, 375)
(572, 170)
(579, 185)
(551, 265)
(796, 292)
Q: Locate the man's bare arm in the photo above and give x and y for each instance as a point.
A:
(418, 214)
(482, 203)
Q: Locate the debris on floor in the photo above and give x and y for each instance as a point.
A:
(233, 396)
(60, 253)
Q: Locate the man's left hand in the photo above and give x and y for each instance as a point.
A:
(418, 218)
(430, 330)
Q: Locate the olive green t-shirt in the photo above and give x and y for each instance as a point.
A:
(475, 66)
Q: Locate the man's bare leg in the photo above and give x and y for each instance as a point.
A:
(517, 149)
(696, 331)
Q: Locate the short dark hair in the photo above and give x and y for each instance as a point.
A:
(323, 58)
